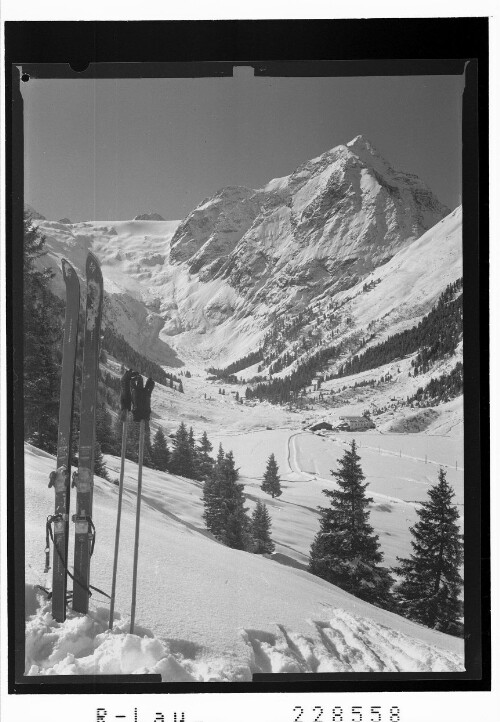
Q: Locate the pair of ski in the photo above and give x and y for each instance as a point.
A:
(83, 478)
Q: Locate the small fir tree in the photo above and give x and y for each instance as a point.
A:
(182, 462)
(271, 483)
(236, 524)
(261, 530)
(104, 430)
(213, 512)
(430, 590)
(346, 551)
(205, 462)
(225, 513)
(99, 463)
(160, 454)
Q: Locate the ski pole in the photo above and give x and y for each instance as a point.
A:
(118, 520)
(137, 525)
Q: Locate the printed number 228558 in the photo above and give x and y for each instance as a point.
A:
(347, 714)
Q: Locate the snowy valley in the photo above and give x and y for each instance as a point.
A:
(304, 276)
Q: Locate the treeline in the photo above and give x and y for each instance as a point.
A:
(436, 336)
(444, 388)
(242, 363)
(280, 391)
(116, 345)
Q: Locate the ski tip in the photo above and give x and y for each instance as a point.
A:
(93, 266)
(68, 270)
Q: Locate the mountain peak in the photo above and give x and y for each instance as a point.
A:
(149, 217)
(361, 146)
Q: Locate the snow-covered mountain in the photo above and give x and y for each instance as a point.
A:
(210, 287)
(328, 223)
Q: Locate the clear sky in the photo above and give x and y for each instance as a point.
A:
(110, 149)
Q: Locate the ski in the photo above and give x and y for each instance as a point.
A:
(60, 479)
(84, 481)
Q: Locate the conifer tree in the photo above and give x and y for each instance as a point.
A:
(430, 590)
(99, 463)
(271, 483)
(236, 524)
(205, 462)
(192, 445)
(104, 430)
(261, 530)
(346, 551)
(225, 512)
(182, 462)
(213, 511)
(160, 454)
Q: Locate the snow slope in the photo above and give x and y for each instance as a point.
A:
(206, 612)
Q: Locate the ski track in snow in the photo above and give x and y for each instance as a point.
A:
(83, 645)
(345, 643)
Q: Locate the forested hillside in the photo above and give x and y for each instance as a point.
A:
(436, 336)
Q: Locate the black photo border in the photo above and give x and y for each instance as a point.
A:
(278, 48)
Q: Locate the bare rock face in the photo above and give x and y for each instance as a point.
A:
(327, 225)
(149, 217)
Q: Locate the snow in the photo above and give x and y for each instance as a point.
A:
(206, 612)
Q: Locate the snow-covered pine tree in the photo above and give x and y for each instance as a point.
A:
(271, 482)
(430, 590)
(261, 530)
(204, 461)
(182, 462)
(346, 551)
(160, 454)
